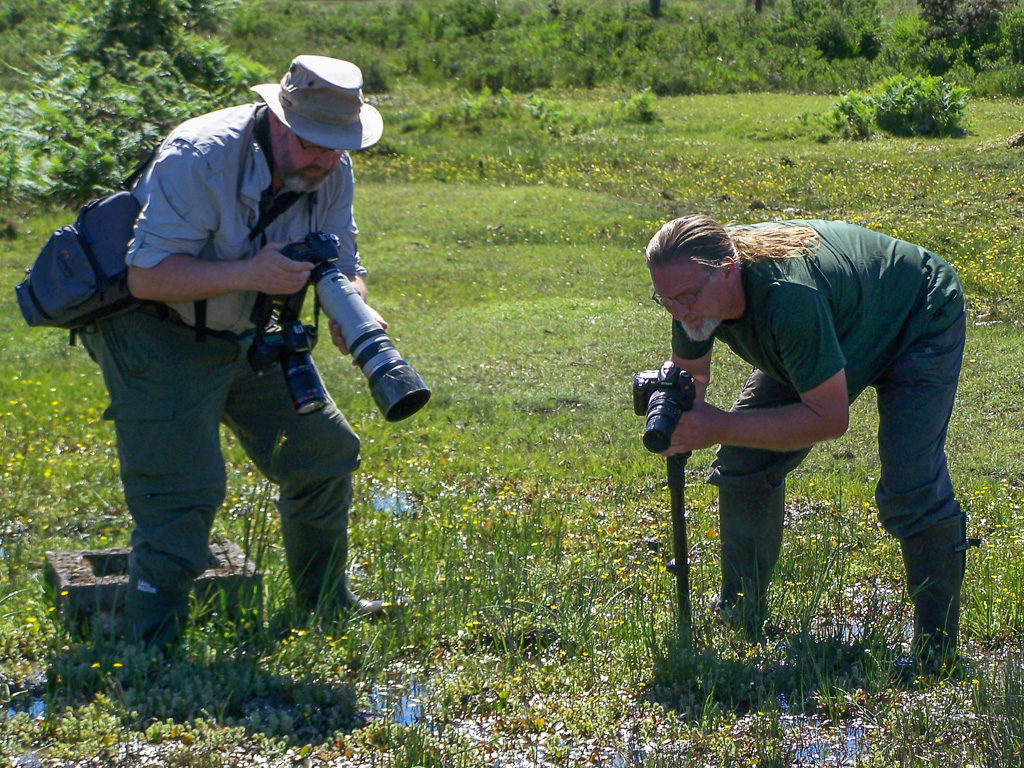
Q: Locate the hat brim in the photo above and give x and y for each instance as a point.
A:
(359, 135)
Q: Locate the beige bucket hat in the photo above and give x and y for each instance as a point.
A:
(321, 100)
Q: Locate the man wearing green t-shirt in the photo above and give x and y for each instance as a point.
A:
(821, 310)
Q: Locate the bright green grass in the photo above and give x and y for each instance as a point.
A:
(507, 258)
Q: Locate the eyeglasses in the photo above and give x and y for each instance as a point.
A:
(316, 148)
(686, 298)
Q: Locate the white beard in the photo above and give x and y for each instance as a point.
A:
(702, 330)
(297, 183)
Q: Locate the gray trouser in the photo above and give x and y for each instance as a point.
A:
(169, 393)
(915, 401)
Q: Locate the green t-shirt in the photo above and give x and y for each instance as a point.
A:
(856, 302)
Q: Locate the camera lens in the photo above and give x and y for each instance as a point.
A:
(396, 388)
(663, 412)
(303, 382)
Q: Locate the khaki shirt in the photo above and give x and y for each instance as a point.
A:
(200, 197)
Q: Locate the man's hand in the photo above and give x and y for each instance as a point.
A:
(339, 340)
(823, 413)
(697, 429)
(269, 271)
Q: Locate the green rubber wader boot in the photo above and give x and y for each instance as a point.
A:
(152, 616)
(935, 560)
(316, 564)
(750, 525)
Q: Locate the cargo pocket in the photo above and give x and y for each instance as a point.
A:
(147, 443)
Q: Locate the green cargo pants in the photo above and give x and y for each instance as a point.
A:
(169, 393)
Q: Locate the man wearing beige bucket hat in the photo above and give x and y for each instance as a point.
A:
(223, 194)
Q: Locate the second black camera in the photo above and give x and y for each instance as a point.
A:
(662, 396)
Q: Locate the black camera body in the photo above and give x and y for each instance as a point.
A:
(395, 386)
(281, 338)
(318, 248)
(662, 396)
(290, 343)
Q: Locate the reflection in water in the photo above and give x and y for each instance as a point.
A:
(397, 502)
(35, 707)
(810, 740)
(820, 743)
(839, 750)
(401, 700)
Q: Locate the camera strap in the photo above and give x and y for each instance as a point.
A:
(271, 206)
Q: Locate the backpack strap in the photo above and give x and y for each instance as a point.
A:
(271, 206)
(200, 319)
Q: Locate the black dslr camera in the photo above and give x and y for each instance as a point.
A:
(662, 396)
(282, 338)
(395, 386)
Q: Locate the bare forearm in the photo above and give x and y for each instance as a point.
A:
(822, 413)
(778, 429)
(180, 277)
(184, 278)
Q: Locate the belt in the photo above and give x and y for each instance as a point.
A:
(162, 311)
(167, 314)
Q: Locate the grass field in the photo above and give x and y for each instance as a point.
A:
(518, 513)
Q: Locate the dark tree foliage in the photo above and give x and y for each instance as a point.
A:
(979, 21)
(129, 26)
(974, 19)
(969, 30)
(940, 14)
(135, 70)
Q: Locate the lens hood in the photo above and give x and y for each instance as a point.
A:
(399, 392)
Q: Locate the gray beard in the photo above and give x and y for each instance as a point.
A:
(703, 330)
(296, 183)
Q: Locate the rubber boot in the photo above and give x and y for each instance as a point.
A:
(316, 564)
(152, 616)
(935, 561)
(750, 525)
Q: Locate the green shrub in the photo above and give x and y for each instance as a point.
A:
(905, 45)
(467, 17)
(834, 39)
(840, 29)
(910, 106)
(508, 71)
(852, 117)
(20, 177)
(548, 112)
(251, 22)
(572, 43)
(639, 108)
(1008, 81)
(980, 22)
(904, 106)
